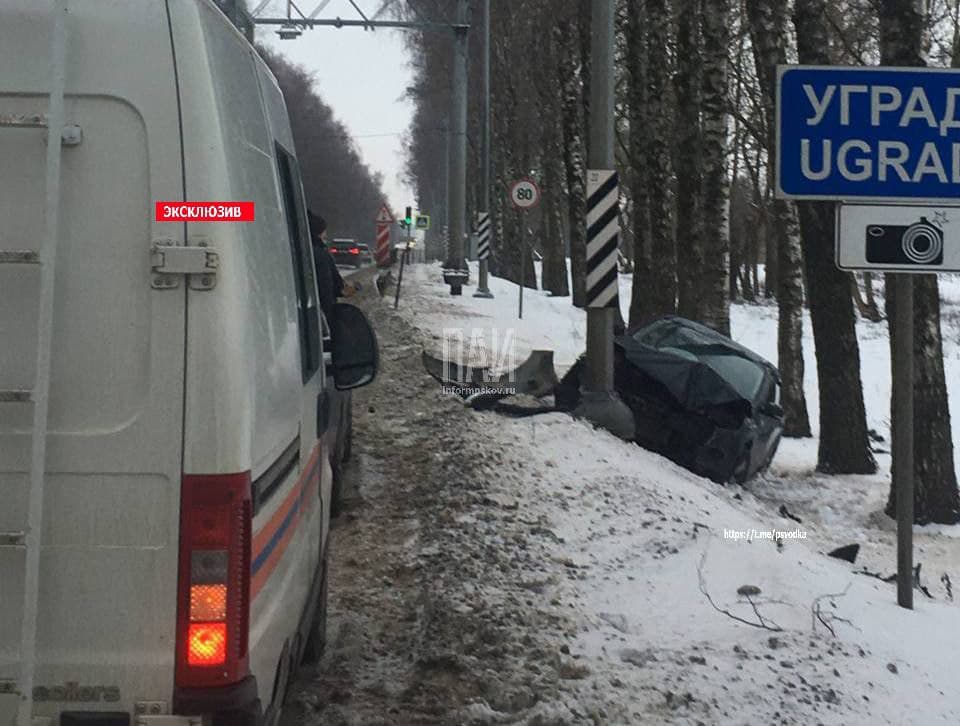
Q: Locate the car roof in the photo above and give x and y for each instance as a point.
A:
(708, 332)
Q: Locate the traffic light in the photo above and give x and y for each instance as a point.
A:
(408, 218)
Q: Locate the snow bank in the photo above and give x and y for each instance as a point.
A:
(645, 546)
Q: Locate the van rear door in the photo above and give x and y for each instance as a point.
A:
(108, 565)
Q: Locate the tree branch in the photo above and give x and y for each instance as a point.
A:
(817, 615)
(703, 588)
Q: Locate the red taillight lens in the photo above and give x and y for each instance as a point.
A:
(213, 606)
(207, 644)
(354, 250)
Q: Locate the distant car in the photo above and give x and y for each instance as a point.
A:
(697, 397)
(350, 253)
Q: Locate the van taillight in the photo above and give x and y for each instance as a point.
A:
(213, 602)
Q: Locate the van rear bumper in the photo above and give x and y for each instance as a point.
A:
(236, 705)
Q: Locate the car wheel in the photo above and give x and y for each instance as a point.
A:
(317, 638)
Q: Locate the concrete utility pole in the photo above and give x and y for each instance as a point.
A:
(446, 191)
(600, 402)
(455, 272)
(482, 289)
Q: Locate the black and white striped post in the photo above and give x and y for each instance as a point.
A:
(603, 236)
(483, 253)
(599, 401)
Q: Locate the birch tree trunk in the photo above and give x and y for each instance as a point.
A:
(737, 242)
(657, 171)
(688, 159)
(935, 482)
(844, 446)
(769, 46)
(715, 276)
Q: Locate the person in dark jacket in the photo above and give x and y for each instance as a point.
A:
(330, 285)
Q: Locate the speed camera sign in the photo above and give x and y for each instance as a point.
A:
(524, 194)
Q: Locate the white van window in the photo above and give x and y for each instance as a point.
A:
(303, 272)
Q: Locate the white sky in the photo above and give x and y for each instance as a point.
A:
(362, 76)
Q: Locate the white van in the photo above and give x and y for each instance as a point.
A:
(164, 468)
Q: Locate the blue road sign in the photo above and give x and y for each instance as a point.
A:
(880, 134)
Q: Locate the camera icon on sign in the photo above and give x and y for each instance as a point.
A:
(920, 243)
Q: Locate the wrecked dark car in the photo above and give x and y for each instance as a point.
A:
(697, 397)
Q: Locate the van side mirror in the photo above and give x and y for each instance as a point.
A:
(356, 355)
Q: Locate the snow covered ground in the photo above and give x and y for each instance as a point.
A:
(646, 546)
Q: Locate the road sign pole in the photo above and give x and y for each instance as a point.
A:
(600, 403)
(403, 259)
(524, 195)
(523, 258)
(483, 289)
(903, 438)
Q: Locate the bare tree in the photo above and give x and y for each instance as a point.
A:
(715, 306)
(844, 445)
(688, 161)
(656, 172)
(767, 34)
(570, 68)
(935, 483)
(554, 271)
(636, 55)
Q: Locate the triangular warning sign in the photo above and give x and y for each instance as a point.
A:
(384, 216)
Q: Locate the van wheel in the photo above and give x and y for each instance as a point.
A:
(317, 638)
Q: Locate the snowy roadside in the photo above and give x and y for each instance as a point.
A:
(634, 532)
(623, 535)
(839, 510)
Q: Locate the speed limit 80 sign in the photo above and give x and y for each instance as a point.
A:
(524, 194)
